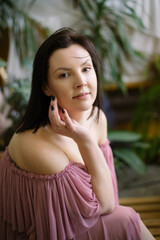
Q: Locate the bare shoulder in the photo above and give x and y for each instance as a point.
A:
(35, 152)
(102, 127)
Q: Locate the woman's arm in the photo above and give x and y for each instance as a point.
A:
(101, 179)
(100, 175)
(91, 154)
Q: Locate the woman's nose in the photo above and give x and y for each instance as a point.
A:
(80, 81)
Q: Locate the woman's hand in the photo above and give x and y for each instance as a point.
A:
(62, 124)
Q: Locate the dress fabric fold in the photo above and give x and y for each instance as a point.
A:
(61, 206)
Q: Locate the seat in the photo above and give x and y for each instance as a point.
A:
(149, 210)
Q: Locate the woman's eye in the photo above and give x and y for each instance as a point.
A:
(64, 75)
(86, 69)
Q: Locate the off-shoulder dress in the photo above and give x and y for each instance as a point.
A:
(60, 206)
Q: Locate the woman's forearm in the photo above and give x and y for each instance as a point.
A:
(100, 175)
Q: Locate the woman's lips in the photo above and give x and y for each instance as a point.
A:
(81, 96)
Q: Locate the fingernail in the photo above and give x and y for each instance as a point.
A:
(53, 98)
(52, 108)
(63, 110)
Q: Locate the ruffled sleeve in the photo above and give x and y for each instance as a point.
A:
(56, 206)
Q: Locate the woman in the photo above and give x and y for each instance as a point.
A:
(57, 174)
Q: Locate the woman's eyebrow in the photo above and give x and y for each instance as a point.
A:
(67, 69)
(88, 60)
(62, 68)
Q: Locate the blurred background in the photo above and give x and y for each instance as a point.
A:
(127, 37)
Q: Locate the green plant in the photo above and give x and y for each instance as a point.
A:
(27, 33)
(147, 113)
(18, 91)
(105, 24)
(126, 146)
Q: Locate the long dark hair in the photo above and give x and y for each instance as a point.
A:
(36, 114)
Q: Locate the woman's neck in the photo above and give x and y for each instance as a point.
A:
(81, 117)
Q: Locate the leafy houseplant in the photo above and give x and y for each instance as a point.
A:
(147, 114)
(27, 35)
(104, 23)
(126, 147)
(18, 95)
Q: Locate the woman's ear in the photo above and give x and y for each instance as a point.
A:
(46, 90)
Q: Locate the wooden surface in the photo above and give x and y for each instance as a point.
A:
(129, 85)
(1, 153)
(149, 210)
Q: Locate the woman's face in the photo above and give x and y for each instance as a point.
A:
(72, 78)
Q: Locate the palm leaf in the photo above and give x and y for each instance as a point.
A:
(131, 159)
(124, 136)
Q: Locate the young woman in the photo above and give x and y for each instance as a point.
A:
(57, 177)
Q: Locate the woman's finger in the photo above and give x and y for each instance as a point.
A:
(56, 121)
(68, 121)
(60, 120)
(53, 111)
(53, 104)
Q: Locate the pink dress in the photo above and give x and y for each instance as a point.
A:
(61, 206)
